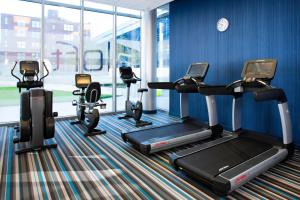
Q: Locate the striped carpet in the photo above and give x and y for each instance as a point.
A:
(104, 167)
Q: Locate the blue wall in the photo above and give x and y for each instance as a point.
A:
(258, 29)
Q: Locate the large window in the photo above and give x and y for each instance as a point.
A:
(163, 54)
(62, 26)
(70, 39)
(19, 39)
(98, 39)
(128, 54)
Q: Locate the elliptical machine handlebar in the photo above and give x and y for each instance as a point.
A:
(42, 78)
(12, 72)
(46, 70)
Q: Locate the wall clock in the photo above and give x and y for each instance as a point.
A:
(222, 24)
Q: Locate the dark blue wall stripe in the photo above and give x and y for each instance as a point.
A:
(258, 29)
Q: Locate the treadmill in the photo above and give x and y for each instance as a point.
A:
(229, 162)
(155, 139)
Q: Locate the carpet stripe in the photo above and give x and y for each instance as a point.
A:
(104, 167)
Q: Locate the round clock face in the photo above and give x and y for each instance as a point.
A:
(222, 24)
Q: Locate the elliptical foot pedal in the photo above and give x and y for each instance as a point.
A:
(75, 122)
(142, 123)
(95, 132)
(124, 117)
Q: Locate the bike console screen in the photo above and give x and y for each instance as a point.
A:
(82, 80)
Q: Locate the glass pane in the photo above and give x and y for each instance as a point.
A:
(62, 26)
(71, 2)
(128, 54)
(98, 34)
(95, 5)
(128, 11)
(19, 40)
(163, 51)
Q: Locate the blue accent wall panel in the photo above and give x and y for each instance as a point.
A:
(258, 29)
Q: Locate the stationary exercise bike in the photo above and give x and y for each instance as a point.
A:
(86, 107)
(37, 126)
(133, 110)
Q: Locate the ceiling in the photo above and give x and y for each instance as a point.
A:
(136, 4)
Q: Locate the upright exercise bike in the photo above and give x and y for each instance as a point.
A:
(133, 110)
(37, 126)
(86, 107)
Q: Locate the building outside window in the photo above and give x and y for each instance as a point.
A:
(36, 24)
(68, 27)
(21, 44)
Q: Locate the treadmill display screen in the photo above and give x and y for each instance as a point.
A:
(260, 69)
(82, 81)
(198, 70)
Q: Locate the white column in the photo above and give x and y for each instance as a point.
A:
(148, 58)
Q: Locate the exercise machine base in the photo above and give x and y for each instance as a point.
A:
(90, 133)
(24, 147)
(139, 123)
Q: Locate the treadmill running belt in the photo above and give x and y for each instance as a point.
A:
(210, 162)
(166, 132)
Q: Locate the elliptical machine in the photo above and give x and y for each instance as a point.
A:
(37, 126)
(89, 97)
(133, 110)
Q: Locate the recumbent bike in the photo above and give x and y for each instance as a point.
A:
(37, 126)
(133, 110)
(89, 97)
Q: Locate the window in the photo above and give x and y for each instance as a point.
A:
(70, 2)
(95, 5)
(128, 11)
(128, 54)
(5, 20)
(68, 27)
(62, 52)
(21, 23)
(68, 37)
(21, 39)
(17, 17)
(163, 53)
(21, 44)
(35, 24)
(98, 52)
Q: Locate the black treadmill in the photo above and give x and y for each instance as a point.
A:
(154, 139)
(227, 163)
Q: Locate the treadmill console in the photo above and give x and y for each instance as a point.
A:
(197, 71)
(259, 69)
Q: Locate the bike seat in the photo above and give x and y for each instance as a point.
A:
(143, 90)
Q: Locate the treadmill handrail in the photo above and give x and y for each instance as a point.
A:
(161, 85)
(270, 94)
